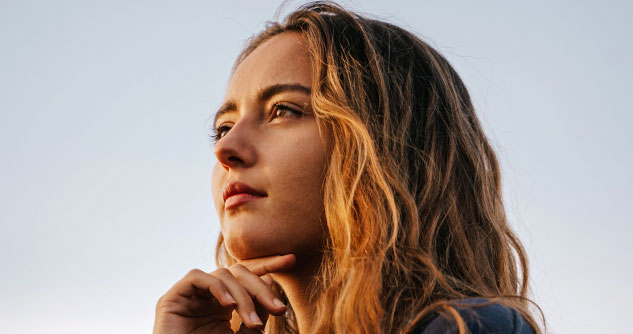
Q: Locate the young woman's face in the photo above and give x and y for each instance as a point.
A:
(268, 182)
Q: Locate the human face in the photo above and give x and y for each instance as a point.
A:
(269, 140)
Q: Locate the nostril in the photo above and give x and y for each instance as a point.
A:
(234, 154)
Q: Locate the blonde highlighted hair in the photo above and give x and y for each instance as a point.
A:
(412, 194)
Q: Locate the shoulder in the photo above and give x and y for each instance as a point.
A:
(492, 318)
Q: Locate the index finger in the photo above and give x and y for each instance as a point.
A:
(270, 264)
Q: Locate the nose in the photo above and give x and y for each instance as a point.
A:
(235, 150)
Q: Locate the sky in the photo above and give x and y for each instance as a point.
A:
(105, 160)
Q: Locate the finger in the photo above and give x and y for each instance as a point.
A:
(245, 306)
(266, 265)
(245, 330)
(259, 289)
(268, 280)
(197, 282)
(263, 314)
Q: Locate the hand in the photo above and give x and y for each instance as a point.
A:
(203, 303)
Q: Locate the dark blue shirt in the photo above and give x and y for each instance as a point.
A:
(494, 318)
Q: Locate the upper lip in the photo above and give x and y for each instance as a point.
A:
(234, 188)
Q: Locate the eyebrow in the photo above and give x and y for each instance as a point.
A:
(262, 96)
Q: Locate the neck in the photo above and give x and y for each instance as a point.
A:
(296, 284)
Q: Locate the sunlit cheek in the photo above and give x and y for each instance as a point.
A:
(217, 177)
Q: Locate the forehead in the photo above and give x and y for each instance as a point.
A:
(283, 59)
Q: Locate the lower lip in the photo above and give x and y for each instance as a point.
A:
(238, 199)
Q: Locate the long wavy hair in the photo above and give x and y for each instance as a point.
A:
(412, 194)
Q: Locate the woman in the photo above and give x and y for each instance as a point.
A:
(356, 191)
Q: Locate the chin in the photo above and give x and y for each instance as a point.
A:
(248, 237)
(243, 246)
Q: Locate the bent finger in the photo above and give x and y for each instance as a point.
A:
(259, 289)
(268, 280)
(197, 282)
(245, 306)
(263, 314)
(270, 264)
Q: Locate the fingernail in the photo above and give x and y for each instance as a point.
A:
(230, 298)
(255, 319)
(278, 302)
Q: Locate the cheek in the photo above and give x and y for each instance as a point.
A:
(218, 176)
(299, 170)
(295, 164)
(292, 167)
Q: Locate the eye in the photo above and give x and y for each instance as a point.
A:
(282, 110)
(220, 132)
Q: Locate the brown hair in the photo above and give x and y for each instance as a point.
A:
(412, 198)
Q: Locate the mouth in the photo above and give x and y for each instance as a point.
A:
(237, 193)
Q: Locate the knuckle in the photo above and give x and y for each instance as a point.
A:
(214, 281)
(239, 267)
(239, 270)
(165, 306)
(222, 272)
(163, 302)
(160, 301)
(194, 272)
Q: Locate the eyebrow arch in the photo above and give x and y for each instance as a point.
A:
(262, 96)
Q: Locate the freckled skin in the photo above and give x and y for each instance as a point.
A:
(286, 158)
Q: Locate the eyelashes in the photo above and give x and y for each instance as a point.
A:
(279, 110)
(218, 133)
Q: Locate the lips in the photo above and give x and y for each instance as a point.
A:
(236, 193)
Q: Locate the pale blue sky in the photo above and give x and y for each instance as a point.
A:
(104, 190)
